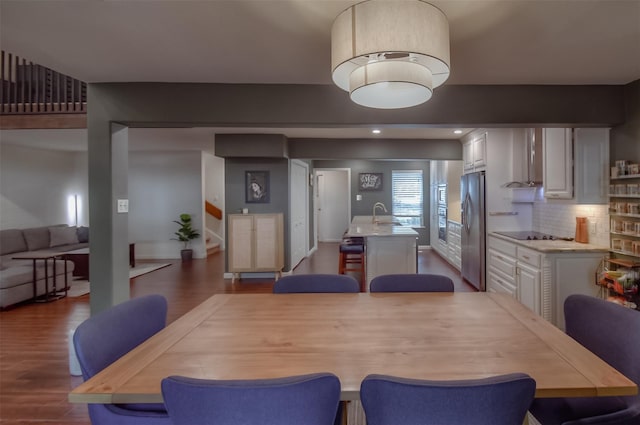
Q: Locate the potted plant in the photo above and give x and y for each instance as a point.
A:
(185, 234)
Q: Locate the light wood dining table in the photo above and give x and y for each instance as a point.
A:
(440, 336)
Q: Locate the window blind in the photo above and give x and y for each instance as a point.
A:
(407, 196)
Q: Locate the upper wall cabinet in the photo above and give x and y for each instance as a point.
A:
(557, 164)
(576, 163)
(474, 154)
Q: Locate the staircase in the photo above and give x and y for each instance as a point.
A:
(211, 240)
(212, 247)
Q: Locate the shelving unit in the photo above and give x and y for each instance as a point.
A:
(619, 275)
(620, 279)
(625, 215)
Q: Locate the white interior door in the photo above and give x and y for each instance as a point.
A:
(333, 207)
(299, 212)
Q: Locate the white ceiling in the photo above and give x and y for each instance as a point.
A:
(288, 41)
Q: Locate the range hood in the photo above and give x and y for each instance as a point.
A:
(533, 160)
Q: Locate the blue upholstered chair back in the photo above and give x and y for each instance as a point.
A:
(297, 400)
(104, 338)
(612, 332)
(298, 283)
(411, 283)
(502, 400)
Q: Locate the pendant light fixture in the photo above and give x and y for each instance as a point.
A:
(390, 54)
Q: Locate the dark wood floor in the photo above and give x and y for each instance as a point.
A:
(34, 373)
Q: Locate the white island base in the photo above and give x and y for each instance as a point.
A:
(389, 249)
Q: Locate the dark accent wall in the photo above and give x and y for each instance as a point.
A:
(625, 138)
(235, 169)
(251, 146)
(375, 149)
(297, 105)
(369, 198)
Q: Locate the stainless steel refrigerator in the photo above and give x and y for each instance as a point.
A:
(473, 229)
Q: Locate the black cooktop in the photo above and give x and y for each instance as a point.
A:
(528, 235)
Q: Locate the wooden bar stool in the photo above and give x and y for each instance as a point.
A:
(352, 259)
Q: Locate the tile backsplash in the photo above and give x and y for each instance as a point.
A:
(559, 219)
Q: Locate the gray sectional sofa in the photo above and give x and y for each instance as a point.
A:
(16, 276)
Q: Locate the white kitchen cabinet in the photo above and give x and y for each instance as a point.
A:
(569, 273)
(541, 280)
(575, 164)
(256, 243)
(454, 244)
(390, 254)
(516, 270)
(591, 164)
(501, 267)
(557, 165)
(528, 278)
(474, 154)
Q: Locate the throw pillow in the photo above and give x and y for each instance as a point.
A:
(83, 234)
(37, 238)
(63, 236)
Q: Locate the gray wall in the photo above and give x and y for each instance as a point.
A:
(35, 185)
(625, 139)
(365, 206)
(163, 185)
(235, 169)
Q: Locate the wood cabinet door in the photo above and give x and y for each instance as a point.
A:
(268, 242)
(241, 246)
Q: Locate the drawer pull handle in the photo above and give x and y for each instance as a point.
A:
(525, 257)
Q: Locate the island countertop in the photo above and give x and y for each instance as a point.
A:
(553, 245)
(371, 229)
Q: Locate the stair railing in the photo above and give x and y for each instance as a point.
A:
(213, 210)
(28, 88)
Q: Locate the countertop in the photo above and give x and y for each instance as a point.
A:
(554, 245)
(370, 229)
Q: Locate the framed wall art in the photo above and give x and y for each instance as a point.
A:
(256, 187)
(370, 181)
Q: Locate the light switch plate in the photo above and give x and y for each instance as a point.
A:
(123, 205)
(358, 197)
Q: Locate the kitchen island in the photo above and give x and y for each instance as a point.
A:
(390, 248)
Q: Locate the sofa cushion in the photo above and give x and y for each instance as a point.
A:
(12, 240)
(83, 234)
(62, 236)
(36, 238)
(15, 276)
(72, 247)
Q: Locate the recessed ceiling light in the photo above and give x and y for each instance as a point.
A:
(457, 131)
(376, 131)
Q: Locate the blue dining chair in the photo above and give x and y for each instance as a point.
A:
(411, 283)
(104, 338)
(297, 283)
(611, 332)
(503, 400)
(306, 399)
